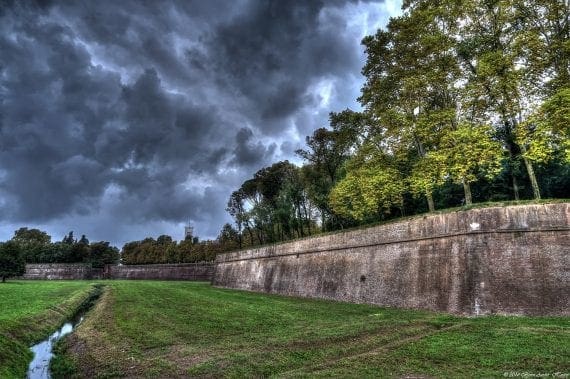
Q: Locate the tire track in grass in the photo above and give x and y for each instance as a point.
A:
(382, 349)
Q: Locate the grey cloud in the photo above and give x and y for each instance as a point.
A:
(248, 152)
(147, 114)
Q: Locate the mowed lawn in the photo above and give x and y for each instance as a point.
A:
(186, 329)
(29, 312)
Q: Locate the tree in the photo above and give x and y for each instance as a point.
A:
(511, 51)
(236, 209)
(547, 130)
(101, 253)
(83, 240)
(11, 261)
(69, 240)
(469, 152)
(327, 152)
(79, 250)
(228, 238)
(410, 90)
(25, 236)
(33, 243)
(372, 186)
(543, 42)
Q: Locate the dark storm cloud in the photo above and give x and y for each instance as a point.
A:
(273, 50)
(117, 115)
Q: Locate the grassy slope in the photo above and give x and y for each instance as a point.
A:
(174, 329)
(30, 311)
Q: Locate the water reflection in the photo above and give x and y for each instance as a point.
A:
(39, 367)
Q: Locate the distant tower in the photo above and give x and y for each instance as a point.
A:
(188, 232)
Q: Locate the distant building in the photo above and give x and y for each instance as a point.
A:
(188, 232)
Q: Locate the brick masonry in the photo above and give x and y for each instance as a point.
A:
(60, 271)
(182, 271)
(500, 260)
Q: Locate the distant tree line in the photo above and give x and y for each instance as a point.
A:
(36, 246)
(165, 250)
(464, 101)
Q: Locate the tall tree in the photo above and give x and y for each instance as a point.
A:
(503, 73)
(33, 243)
(327, 151)
(411, 72)
(236, 209)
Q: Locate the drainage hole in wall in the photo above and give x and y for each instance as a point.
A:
(362, 278)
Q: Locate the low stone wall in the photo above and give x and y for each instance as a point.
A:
(500, 260)
(188, 271)
(61, 271)
(64, 271)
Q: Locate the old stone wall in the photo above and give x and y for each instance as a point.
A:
(60, 271)
(183, 271)
(500, 260)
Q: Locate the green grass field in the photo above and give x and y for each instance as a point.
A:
(29, 312)
(182, 329)
(176, 329)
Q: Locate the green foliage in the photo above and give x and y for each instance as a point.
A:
(165, 250)
(459, 96)
(36, 247)
(11, 260)
(273, 206)
(469, 153)
(101, 253)
(372, 186)
(32, 242)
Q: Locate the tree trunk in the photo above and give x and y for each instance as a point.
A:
(307, 217)
(431, 205)
(467, 190)
(250, 235)
(3, 279)
(512, 149)
(532, 177)
(515, 187)
(300, 219)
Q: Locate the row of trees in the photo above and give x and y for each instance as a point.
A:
(165, 250)
(460, 91)
(463, 101)
(36, 247)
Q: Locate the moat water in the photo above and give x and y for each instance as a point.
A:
(43, 351)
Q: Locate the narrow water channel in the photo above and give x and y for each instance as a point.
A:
(43, 351)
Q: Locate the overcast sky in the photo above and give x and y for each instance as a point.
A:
(127, 119)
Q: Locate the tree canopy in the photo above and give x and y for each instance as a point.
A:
(463, 101)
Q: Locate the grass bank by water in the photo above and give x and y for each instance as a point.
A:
(30, 311)
(184, 329)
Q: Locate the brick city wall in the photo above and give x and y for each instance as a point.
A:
(182, 271)
(499, 260)
(59, 271)
(62, 271)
